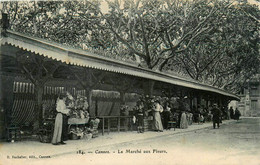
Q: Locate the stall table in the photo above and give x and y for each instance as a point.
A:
(77, 121)
(108, 118)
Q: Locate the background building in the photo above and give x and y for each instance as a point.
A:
(249, 104)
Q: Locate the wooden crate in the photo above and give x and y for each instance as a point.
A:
(148, 124)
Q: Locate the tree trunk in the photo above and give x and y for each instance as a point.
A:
(6, 102)
(163, 64)
(89, 96)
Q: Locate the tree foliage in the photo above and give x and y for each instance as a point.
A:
(66, 22)
(216, 42)
(228, 55)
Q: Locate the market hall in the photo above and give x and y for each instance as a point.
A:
(35, 71)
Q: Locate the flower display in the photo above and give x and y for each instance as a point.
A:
(93, 127)
(149, 103)
(78, 132)
(124, 110)
(78, 107)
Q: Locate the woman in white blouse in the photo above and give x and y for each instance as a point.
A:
(61, 111)
(157, 122)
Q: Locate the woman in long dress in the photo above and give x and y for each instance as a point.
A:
(237, 114)
(183, 122)
(189, 117)
(157, 122)
(58, 135)
(167, 116)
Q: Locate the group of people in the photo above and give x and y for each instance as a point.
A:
(161, 116)
(234, 114)
(140, 113)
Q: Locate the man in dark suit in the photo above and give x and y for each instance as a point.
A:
(216, 115)
(231, 111)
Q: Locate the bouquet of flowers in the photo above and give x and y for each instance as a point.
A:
(124, 110)
(148, 104)
(79, 107)
(77, 133)
(94, 127)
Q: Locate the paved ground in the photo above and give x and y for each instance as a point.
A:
(236, 142)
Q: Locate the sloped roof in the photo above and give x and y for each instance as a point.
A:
(84, 58)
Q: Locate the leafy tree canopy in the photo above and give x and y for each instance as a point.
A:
(216, 42)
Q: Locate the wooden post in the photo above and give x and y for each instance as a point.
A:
(96, 107)
(103, 125)
(190, 99)
(122, 97)
(6, 102)
(199, 98)
(88, 85)
(118, 126)
(220, 102)
(89, 96)
(108, 125)
(148, 87)
(38, 91)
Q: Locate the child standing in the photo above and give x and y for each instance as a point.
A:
(140, 117)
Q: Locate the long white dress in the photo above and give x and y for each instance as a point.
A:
(61, 109)
(157, 122)
(184, 122)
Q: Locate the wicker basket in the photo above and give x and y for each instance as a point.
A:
(45, 135)
(87, 136)
(74, 136)
(45, 138)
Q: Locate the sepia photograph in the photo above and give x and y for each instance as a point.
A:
(129, 82)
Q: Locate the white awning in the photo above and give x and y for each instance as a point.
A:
(84, 58)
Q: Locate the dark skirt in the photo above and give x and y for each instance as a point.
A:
(140, 120)
(64, 135)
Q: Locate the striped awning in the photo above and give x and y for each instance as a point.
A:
(84, 58)
(23, 109)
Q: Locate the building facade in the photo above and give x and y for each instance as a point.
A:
(249, 104)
